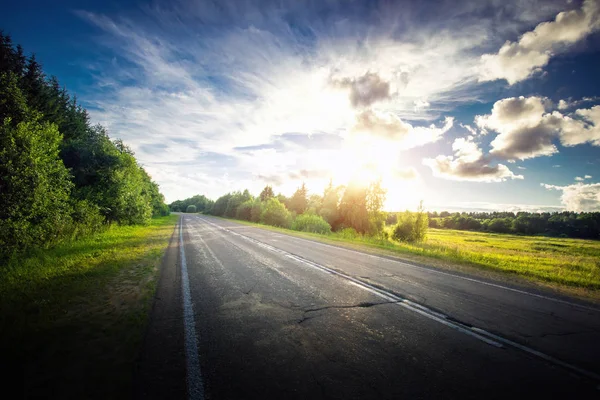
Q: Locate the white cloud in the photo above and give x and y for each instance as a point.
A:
(365, 90)
(517, 61)
(390, 127)
(579, 197)
(468, 164)
(581, 179)
(526, 130)
(587, 177)
(472, 130)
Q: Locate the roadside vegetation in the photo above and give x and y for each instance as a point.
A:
(82, 230)
(353, 216)
(73, 317)
(61, 178)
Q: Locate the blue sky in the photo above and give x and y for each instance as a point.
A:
(466, 105)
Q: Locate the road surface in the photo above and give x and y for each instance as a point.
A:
(245, 313)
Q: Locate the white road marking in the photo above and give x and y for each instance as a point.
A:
(435, 271)
(478, 333)
(195, 385)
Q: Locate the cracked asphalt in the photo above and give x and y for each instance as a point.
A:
(271, 327)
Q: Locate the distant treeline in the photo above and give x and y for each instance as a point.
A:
(360, 209)
(60, 177)
(354, 207)
(350, 210)
(562, 224)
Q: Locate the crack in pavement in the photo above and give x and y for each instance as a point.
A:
(364, 304)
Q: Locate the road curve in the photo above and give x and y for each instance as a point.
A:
(275, 316)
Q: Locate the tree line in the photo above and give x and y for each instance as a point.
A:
(60, 176)
(585, 225)
(354, 209)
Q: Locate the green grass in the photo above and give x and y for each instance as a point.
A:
(555, 262)
(72, 318)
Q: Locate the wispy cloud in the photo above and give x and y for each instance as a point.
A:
(218, 96)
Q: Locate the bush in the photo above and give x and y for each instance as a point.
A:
(256, 211)
(244, 210)
(190, 209)
(311, 223)
(348, 233)
(404, 231)
(276, 214)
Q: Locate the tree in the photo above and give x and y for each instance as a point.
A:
(190, 209)
(329, 208)
(375, 200)
(421, 223)
(353, 208)
(276, 214)
(299, 200)
(266, 193)
(34, 185)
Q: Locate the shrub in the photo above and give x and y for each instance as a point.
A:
(311, 223)
(244, 210)
(190, 209)
(276, 214)
(404, 231)
(256, 211)
(348, 233)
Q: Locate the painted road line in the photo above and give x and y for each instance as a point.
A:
(195, 386)
(435, 271)
(480, 334)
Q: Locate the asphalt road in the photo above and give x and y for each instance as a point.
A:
(273, 316)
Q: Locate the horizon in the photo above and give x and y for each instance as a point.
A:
(488, 107)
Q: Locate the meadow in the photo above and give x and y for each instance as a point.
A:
(72, 318)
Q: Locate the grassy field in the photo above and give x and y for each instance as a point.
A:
(72, 318)
(570, 264)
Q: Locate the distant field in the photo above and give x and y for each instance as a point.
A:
(72, 318)
(573, 262)
(570, 263)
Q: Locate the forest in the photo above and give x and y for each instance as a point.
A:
(61, 177)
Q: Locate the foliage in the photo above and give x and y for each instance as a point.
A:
(411, 227)
(97, 290)
(266, 193)
(311, 223)
(275, 214)
(353, 208)
(34, 186)
(348, 233)
(584, 225)
(256, 211)
(69, 167)
(201, 202)
(244, 211)
(190, 209)
(299, 201)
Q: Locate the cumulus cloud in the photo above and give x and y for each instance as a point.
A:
(579, 197)
(581, 179)
(406, 174)
(517, 61)
(365, 90)
(390, 126)
(586, 129)
(468, 164)
(565, 104)
(525, 130)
